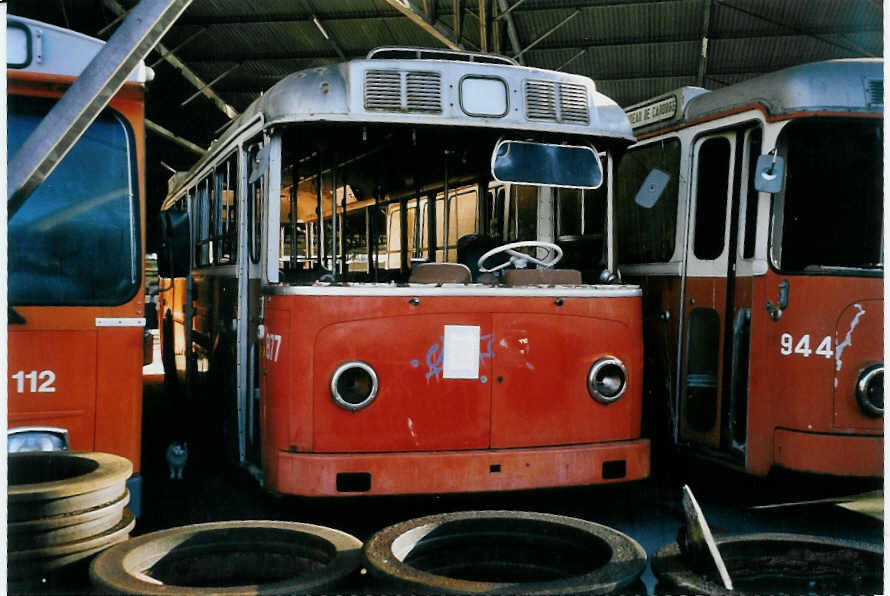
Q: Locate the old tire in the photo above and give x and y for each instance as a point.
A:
(796, 563)
(24, 564)
(232, 558)
(44, 484)
(503, 552)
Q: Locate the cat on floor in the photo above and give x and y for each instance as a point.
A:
(177, 456)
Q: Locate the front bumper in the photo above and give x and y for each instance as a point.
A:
(822, 453)
(337, 474)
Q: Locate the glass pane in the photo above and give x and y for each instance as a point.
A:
(86, 212)
(711, 197)
(646, 235)
(833, 211)
(752, 195)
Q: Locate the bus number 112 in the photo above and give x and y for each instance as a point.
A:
(47, 378)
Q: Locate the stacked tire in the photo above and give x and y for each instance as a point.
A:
(63, 508)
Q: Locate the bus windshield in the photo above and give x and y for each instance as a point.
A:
(381, 172)
(75, 241)
(830, 214)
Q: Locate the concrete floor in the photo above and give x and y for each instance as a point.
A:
(648, 511)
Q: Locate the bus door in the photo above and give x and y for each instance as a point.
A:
(255, 170)
(718, 293)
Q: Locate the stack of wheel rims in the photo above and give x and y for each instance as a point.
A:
(64, 507)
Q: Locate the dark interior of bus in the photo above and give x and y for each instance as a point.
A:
(385, 176)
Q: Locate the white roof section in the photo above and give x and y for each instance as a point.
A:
(40, 48)
(847, 85)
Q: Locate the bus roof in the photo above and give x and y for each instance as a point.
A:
(849, 85)
(450, 90)
(41, 48)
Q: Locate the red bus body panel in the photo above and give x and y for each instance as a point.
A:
(814, 395)
(98, 370)
(527, 415)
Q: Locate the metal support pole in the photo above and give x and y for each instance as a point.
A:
(185, 143)
(446, 217)
(703, 56)
(87, 96)
(334, 219)
(319, 209)
(483, 26)
(343, 228)
(209, 85)
(458, 19)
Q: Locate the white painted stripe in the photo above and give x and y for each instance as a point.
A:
(622, 291)
(120, 321)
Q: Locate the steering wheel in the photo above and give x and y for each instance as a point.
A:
(519, 260)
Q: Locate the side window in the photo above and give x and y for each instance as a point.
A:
(711, 197)
(647, 233)
(466, 214)
(522, 222)
(256, 176)
(393, 236)
(226, 230)
(201, 199)
(754, 138)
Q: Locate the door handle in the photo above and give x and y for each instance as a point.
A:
(775, 310)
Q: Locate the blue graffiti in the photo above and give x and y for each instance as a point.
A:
(488, 353)
(434, 359)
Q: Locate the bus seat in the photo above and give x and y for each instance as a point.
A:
(472, 246)
(440, 273)
(547, 277)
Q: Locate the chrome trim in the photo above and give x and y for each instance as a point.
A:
(62, 433)
(338, 399)
(457, 290)
(591, 376)
(866, 376)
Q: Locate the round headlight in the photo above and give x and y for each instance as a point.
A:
(354, 385)
(870, 390)
(607, 380)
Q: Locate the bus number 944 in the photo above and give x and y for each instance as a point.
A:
(38, 382)
(803, 346)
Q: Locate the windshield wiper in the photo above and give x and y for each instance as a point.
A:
(13, 317)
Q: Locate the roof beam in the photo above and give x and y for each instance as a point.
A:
(323, 31)
(847, 45)
(178, 64)
(512, 34)
(169, 135)
(458, 20)
(418, 17)
(703, 56)
(87, 96)
(548, 33)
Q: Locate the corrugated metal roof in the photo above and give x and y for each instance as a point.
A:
(634, 49)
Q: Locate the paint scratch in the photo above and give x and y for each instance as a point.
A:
(848, 340)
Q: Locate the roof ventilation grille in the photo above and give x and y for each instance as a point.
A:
(874, 92)
(424, 91)
(573, 103)
(540, 100)
(383, 90)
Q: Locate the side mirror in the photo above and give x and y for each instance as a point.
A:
(173, 256)
(651, 189)
(769, 174)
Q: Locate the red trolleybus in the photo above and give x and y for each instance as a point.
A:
(752, 217)
(355, 340)
(76, 318)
